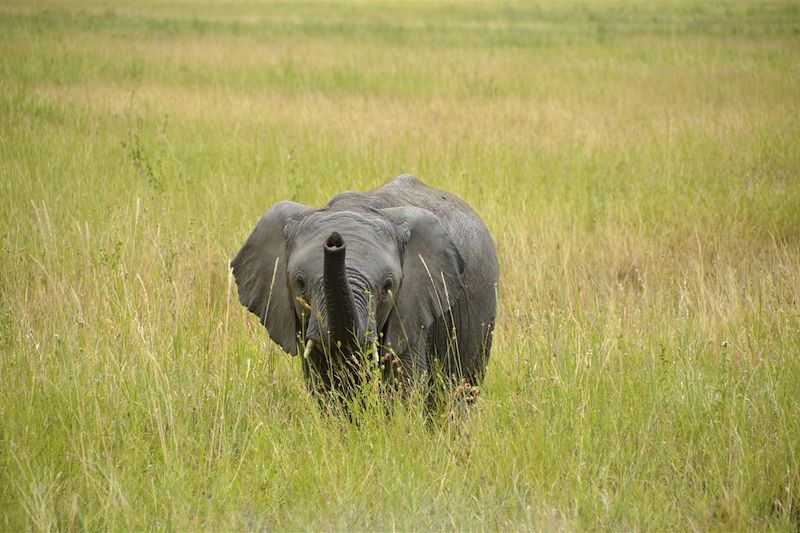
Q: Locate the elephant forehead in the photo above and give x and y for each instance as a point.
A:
(371, 246)
(354, 227)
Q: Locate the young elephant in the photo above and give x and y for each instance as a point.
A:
(403, 274)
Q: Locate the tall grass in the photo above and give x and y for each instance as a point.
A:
(637, 164)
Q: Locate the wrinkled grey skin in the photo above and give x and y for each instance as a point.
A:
(405, 266)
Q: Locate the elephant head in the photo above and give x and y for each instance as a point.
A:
(338, 281)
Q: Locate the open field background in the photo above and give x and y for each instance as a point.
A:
(637, 162)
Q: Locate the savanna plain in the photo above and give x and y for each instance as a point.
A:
(638, 164)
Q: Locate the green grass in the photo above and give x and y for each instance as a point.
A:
(638, 164)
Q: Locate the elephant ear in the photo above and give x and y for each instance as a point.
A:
(260, 272)
(432, 268)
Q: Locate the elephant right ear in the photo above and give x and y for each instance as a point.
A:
(260, 272)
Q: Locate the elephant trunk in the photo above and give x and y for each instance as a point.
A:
(341, 309)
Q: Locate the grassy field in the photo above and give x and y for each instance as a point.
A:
(638, 164)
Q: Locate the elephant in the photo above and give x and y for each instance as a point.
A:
(402, 277)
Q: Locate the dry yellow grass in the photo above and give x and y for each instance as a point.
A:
(637, 164)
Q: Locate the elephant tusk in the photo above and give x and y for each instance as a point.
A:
(309, 347)
(375, 352)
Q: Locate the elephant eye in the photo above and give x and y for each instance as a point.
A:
(388, 286)
(300, 283)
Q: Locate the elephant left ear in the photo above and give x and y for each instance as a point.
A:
(432, 268)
